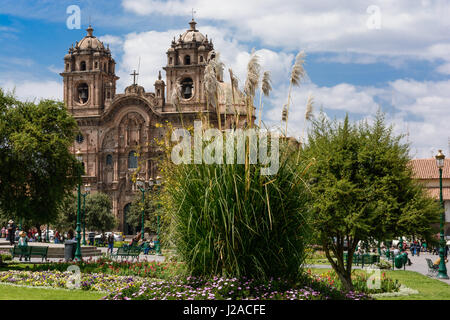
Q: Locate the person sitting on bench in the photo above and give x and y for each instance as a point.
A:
(23, 242)
(438, 261)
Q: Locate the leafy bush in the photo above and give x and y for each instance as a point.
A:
(5, 257)
(383, 264)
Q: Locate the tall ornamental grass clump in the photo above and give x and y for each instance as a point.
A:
(229, 220)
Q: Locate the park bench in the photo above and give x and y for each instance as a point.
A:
(39, 251)
(29, 251)
(121, 252)
(134, 252)
(364, 259)
(17, 251)
(432, 269)
(128, 251)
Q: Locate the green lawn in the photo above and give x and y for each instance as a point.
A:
(11, 292)
(429, 289)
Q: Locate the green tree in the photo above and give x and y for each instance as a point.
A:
(67, 217)
(152, 208)
(99, 216)
(37, 170)
(363, 189)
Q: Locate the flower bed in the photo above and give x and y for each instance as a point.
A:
(192, 288)
(144, 281)
(57, 279)
(151, 269)
(360, 281)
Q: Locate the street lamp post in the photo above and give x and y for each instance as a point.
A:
(158, 244)
(442, 272)
(140, 183)
(78, 256)
(87, 189)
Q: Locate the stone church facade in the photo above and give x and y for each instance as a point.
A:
(116, 127)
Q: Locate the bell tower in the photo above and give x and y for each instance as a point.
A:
(89, 77)
(186, 61)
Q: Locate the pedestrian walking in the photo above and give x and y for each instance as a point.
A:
(110, 243)
(11, 232)
(57, 239)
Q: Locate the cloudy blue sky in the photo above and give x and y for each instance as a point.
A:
(361, 55)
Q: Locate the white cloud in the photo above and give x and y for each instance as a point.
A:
(55, 69)
(408, 29)
(114, 42)
(30, 90)
(151, 47)
(444, 68)
(418, 109)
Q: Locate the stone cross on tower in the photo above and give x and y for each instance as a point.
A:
(134, 74)
(193, 13)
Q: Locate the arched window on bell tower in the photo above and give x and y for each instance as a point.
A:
(83, 66)
(187, 60)
(83, 93)
(187, 88)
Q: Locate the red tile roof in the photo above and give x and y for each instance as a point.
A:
(427, 169)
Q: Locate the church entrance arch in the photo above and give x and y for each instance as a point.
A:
(127, 229)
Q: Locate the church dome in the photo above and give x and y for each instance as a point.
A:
(90, 41)
(134, 89)
(192, 34)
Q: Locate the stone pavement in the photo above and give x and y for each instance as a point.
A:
(419, 264)
(142, 257)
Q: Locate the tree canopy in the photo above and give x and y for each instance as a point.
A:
(152, 208)
(99, 216)
(363, 188)
(37, 170)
